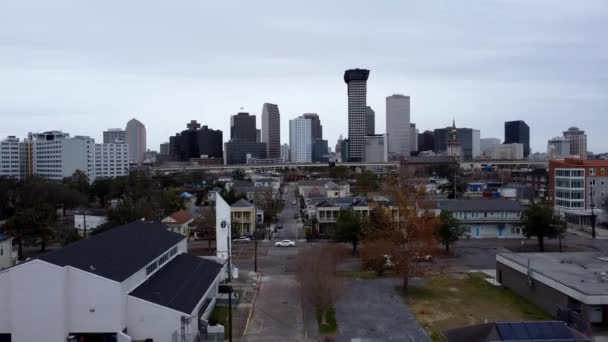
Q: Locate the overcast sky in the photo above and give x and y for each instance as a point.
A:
(83, 66)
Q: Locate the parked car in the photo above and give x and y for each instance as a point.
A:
(285, 243)
(294, 202)
(242, 239)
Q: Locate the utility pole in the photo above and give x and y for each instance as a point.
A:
(229, 290)
(592, 205)
(84, 217)
(255, 250)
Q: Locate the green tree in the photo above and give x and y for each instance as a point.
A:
(368, 181)
(539, 221)
(271, 206)
(101, 189)
(232, 197)
(33, 225)
(8, 193)
(348, 229)
(78, 181)
(339, 172)
(448, 230)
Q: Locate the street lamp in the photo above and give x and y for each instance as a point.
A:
(592, 206)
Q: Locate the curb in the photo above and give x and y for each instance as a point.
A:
(255, 297)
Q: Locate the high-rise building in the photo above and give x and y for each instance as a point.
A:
(55, 155)
(426, 141)
(164, 149)
(413, 138)
(271, 130)
(258, 135)
(196, 142)
(114, 135)
(240, 152)
(518, 132)
(376, 148)
(285, 153)
(468, 138)
(136, 138)
(320, 150)
(505, 152)
(558, 148)
(356, 79)
(316, 130)
(370, 121)
(578, 142)
(10, 165)
(486, 144)
(398, 125)
(242, 127)
(300, 144)
(111, 160)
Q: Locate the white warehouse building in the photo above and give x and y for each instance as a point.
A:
(132, 283)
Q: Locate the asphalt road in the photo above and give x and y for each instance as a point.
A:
(290, 225)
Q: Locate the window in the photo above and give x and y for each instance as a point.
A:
(163, 258)
(152, 267)
(591, 172)
(173, 251)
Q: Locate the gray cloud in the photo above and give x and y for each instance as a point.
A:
(84, 66)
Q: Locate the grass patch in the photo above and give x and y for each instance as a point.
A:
(450, 301)
(220, 315)
(331, 326)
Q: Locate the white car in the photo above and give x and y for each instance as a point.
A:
(285, 243)
(294, 202)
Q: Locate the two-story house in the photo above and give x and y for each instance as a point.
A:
(244, 217)
(132, 283)
(486, 218)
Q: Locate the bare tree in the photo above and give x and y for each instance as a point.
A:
(205, 225)
(319, 284)
(402, 230)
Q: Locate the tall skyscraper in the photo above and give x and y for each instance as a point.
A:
(164, 148)
(316, 130)
(136, 138)
(356, 79)
(413, 138)
(370, 118)
(242, 128)
(196, 142)
(285, 153)
(300, 144)
(398, 125)
(578, 142)
(271, 130)
(426, 141)
(113, 135)
(558, 148)
(518, 132)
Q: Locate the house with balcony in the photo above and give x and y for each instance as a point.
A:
(244, 217)
(326, 211)
(135, 282)
(486, 218)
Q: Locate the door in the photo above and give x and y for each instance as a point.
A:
(477, 231)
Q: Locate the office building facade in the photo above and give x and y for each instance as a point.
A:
(114, 135)
(165, 148)
(196, 142)
(426, 141)
(243, 128)
(316, 129)
(111, 160)
(135, 135)
(398, 125)
(300, 141)
(356, 80)
(240, 152)
(468, 138)
(518, 132)
(56, 155)
(370, 121)
(285, 153)
(271, 129)
(558, 148)
(376, 148)
(506, 152)
(413, 138)
(486, 144)
(578, 142)
(10, 161)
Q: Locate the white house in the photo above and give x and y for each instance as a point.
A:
(179, 222)
(132, 283)
(8, 255)
(486, 218)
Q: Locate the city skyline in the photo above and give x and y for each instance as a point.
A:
(509, 72)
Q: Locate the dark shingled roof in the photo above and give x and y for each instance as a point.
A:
(242, 203)
(118, 253)
(180, 284)
(480, 205)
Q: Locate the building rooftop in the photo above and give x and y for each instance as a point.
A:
(583, 272)
(179, 284)
(575, 162)
(242, 203)
(179, 217)
(546, 331)
(118, 253)
(480, 205)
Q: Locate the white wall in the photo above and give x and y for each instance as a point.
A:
(222, 213)
(94, 303)
(92, 222)
(5, 295)
(6, 257)
(38, 312)
(148, 320)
